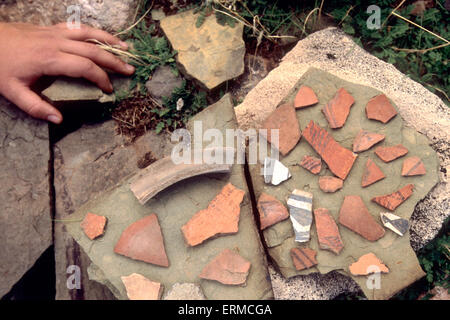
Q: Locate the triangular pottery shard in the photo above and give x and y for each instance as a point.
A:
(227, 268)
(143, 241)
(305, 97)
(275, 172)
(380, 108)
(93, 225)
(339, 160)
(337, 110)
(372, 173)
(270, 211)
(300, 211)
(364, 140)
(221, 217)
(330, 184)
(388, 154)
(413, 166)
(395, 223)
(393, 200)
(367, 264)
(327, 231)
(355, 216)
(140, 288)
(303, 258)
(312, 164)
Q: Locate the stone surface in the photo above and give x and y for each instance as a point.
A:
(212, 54)
(303, 258)
(185, 291)
(367, 264)
(380, 108)
(283, 120)
(364, 140)
(93, 225)
(140, 288)
(300, 212)
(162, 83)
(399, 225)
(372, 173)
(388, 154)
(393, 200)
(339, 159)
(312, 164)
(337, 109)
(227, 268)
(330, 184)
(275, 172)
(25, 219)
(413, 166)
(143, 241)
(270, 210)
(305, 97)
(220, 218)
(327, 231)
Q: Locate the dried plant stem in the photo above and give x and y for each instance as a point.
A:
(137, 22)
(421, 50)
(419, 26)
(307, 18)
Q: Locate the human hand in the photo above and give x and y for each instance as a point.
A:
(28, 52)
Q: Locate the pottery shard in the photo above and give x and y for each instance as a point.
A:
(338, 108)
(367, 264)
(380, 108)
(388, 154)
(305, 97)
(312, 164)
(395, 223)
(393, 200)
(270, 211)
(303, 258)
(355, 216)
(364, 140)
(330, 184)
(285, 121)
(143, 241)
(227, 268)
(221, 217)
(372, 173)
(93, 225)
(327, 231)
(140, 288)
(338, 159)
(413, 166)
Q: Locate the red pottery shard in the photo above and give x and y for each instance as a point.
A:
(327, 231)
(330, 184)
(393, 200)
(372, 173)
(338, 159)
(303, 258)
(413, 166)
(143, 241)
(93, 225)
(305, 97)
(221, 217)
(355, 216)
(140, 288)
(367, 264)
(388, 154)
(285, 120)
(270, 211)
(364, 140)
(227, 268)
(337, 110)
(380, 108)
(312, 164)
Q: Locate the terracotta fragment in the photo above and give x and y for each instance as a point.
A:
(413, 166)
(399, 225)
(140, 288)
(388, 154)
(270, 211)
(227, 268)
(380, 108)
(393, 200)
(312, 164)
(275, 172)
(364, 140)
(338, 108)
(367, 264)
(305, 97)
(355, 216)
(303, 258)
(338, 159)
(285, 120)
(372, 173)
(330, 184)
(143, 241)
(221, 217)
(327, 231)
(93, 225)
(300, 211)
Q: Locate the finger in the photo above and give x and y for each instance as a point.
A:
(79, 67)
(31, 103)
(98, 55)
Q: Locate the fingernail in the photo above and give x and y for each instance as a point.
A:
(129, 67)
(123, 44)
(54, 119)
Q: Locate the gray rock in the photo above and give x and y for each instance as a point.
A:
(162, 83)
(25, 215)
(158, 14)
(185, 291)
